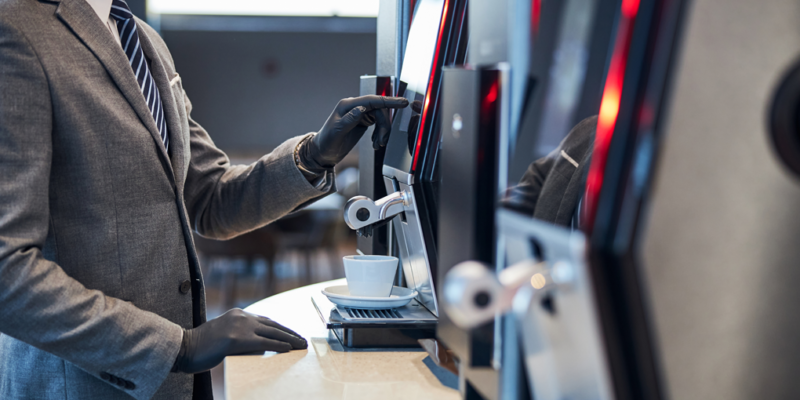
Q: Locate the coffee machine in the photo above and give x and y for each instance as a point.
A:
(410, 177)
(575, 298)
(545, 341)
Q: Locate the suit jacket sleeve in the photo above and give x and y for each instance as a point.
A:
(225, 200)
(39, 303)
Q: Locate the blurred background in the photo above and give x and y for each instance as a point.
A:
(258, 73)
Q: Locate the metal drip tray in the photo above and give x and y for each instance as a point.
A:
(410, 313)
(373, 315)
(389, 328)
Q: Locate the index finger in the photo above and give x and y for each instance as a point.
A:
(269, 332)
(268, 322)
(373, 102)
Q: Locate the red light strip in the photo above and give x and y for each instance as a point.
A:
(491, 97)
(536, 12)
(609, 108)
(488, 111)
(434, 66)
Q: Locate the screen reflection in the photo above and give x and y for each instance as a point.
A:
(556, 142)
(552, 187)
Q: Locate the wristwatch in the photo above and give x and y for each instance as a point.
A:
(297, 160)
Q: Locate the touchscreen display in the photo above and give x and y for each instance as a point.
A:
(414, 79)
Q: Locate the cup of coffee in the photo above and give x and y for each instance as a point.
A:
(370, 276)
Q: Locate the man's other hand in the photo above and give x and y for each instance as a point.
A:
(232, 333)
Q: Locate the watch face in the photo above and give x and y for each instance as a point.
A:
(414, 81)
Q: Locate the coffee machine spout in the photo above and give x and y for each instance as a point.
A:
(361, 211)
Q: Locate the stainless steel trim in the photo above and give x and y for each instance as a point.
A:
(412, 252)
(393, 199)
(504, 153)
(401, 176)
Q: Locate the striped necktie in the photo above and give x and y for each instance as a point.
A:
(129, 38)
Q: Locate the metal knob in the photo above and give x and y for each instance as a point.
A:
(474, 294)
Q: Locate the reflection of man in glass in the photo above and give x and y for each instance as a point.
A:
(552, 187)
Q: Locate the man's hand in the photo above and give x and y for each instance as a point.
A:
(235, 332)
(344, 129)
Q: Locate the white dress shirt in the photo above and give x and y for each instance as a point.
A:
(103, 10)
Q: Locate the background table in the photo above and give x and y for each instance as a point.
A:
(326, 370)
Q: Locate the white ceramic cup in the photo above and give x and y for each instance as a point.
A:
(370, 276)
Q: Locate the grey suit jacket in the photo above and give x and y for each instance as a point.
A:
(96, 218)
(551, 188)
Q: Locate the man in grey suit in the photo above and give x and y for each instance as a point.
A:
(103, 178)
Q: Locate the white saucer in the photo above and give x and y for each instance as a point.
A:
(340, 295)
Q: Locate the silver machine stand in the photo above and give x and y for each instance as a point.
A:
(361, 212)
(551, 300)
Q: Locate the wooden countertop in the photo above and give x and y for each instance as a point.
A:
(326, 370)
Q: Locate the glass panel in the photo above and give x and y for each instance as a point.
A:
(414, 77)
(547, 178)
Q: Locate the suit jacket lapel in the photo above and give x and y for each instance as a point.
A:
(81, 18)
(573, 191)
(176, 140)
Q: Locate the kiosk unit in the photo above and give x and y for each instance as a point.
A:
(437, 38)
